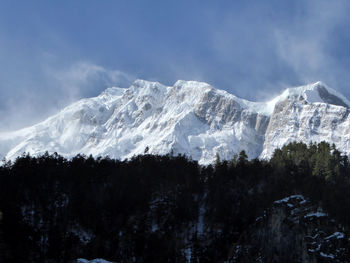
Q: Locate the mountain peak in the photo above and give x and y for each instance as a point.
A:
(190, 117)
(141, 83)
(317, 92)
(112, 91)
(193, 83)
(331, 96)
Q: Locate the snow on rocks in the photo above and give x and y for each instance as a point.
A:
(299, 198)
(293, 227)
(337, 235)
(326, 255)
(315, 214)
(98, 260)
(189, 118)
(324, 238)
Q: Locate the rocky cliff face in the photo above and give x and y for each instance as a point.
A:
(190, 118)
(293, 230)
(294, 119)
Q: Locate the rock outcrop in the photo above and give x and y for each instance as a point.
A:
(293, 230)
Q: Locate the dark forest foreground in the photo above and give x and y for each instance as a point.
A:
(170, 209)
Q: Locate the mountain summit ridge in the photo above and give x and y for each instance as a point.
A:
(191, 118)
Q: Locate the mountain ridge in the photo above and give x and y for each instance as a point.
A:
(190, 118)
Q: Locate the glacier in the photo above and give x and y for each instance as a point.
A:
(191, 118)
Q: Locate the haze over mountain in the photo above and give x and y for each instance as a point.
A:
(190, 118)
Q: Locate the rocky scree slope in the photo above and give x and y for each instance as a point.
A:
(190, 118)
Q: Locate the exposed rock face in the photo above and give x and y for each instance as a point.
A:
(190, 118)
(330, 98)
(293, 230)
(296, 120)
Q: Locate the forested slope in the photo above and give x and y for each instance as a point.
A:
(170, 209)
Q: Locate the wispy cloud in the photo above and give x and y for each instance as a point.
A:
(268, 47)
(85, 79)
(306, 45)
(59, 87)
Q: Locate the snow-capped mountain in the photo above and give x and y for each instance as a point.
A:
(190, 117)
(311, 113)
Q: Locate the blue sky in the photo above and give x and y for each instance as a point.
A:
(55, 52)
